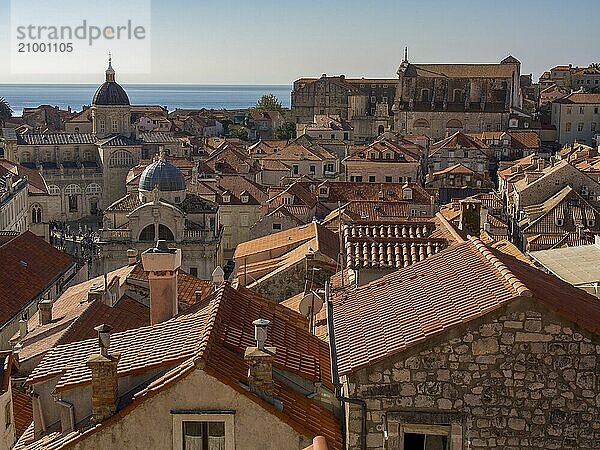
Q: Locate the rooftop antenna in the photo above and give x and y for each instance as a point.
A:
(405, 54)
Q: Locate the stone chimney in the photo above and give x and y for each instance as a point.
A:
(104, 377)
(45, 311)
(23, 327)
(470, 216)
(260, 361)
(132, 255)
(161, 263)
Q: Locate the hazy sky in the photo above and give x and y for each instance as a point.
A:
(277, 41)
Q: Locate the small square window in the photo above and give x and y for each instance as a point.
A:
(371, 179)
(194, 271)
(277, 226)
(388, 179)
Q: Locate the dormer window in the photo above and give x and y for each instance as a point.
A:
(226, 198)
(591, 223)
(407, 194)
(559, 222)
(373, 155)
(244, 198)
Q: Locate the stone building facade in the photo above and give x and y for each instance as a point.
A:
(520, 378)
(440, 99)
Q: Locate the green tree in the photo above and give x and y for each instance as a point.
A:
(268, 103)
(240, 133)
(5, 111)
(595, 65)
(286, 131)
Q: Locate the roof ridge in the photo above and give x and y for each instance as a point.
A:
(203, 351)
(504, 271)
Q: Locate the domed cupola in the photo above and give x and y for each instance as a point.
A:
(165, 178)
(110, 93)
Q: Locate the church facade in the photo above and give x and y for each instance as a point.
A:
(160, 207)
(86, 171)
(426, 99)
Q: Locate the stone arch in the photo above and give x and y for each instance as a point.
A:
(421, 123)
(93, 189)
(454, 123)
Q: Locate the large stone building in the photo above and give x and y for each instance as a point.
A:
(87, 171)
(440, 99)
(497, 355)
(431, 99)
(161, 208)
(576, 118)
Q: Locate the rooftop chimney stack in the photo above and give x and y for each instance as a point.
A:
(161, 263)
(260, 361)
(23, 327)
(132, 255)
(104, 377)
(45, 311)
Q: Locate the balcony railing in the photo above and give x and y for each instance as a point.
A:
(113, 234)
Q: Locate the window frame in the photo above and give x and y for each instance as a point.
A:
(226, 416)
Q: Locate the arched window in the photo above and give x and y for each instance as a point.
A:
(380, 130)
(93, 189)
(165, 233)
(87, 156)
(454, 123)
(121, 158)
(421, 123)
(53, 190)
(73, 189)
(147, 234)
(36, 213)
(25, 157)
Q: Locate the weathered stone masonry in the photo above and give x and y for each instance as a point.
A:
(517, 378)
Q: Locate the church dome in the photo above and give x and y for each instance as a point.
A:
(110, 93)
(163, 174)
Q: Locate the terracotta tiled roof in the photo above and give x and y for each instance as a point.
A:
(217, 334)
(400, 153)
(465, 70)
(29, 266)
(456, 169)
(581, 98)
(458, 140)
(126, 204)
(37, 183)
(364, 211)
(410, 305)
(396, 245)
(282, 239)
(22, 410)
(66, 310)
(187, 285)
(301, 149)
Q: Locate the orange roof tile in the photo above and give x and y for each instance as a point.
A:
(29, 266)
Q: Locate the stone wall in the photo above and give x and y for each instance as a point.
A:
(515, 379)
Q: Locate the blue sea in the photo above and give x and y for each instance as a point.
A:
(172, 96)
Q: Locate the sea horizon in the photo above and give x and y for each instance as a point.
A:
(171, 95)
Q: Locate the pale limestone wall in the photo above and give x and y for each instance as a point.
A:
(150, 425)
(567, 118)
(14, 212)
(264, 226)
(7, 431)
(237, 220)
(381, 170)
(549, 185)
(519, 378)
(471, 121)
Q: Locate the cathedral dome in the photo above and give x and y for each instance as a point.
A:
(163, 174)
(110, 93)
